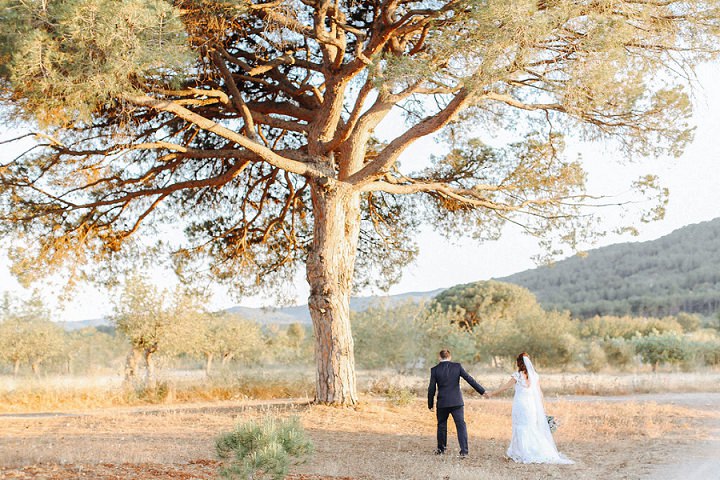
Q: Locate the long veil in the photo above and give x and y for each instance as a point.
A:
(541, 419)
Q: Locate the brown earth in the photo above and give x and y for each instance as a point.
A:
(610, 437)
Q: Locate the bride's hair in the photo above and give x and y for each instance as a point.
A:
(521, 362)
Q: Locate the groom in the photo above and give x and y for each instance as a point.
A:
(446, 376)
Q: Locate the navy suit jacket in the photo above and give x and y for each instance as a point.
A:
(446, 377)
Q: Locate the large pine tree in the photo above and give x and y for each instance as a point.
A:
(250, 124)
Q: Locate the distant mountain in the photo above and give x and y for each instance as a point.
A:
(679, 272)
(301, 314)
(95, 322)
(287, 315)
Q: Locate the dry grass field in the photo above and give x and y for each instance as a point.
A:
(55, 393)
(610, 438)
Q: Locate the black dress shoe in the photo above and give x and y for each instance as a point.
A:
(463, 455)
(439, 452)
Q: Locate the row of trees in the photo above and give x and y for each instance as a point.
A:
(493, 321)
(148, 324)
(29, 336)
(487, 322)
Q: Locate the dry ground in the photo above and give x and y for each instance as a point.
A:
(62, 392)
(614, 438)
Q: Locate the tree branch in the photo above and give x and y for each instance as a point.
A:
(429, 125)
(263, 152)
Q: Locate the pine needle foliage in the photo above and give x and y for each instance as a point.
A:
(262, 449)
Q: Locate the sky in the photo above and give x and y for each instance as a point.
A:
(693, 180)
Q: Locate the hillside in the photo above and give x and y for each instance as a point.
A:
(678, 272)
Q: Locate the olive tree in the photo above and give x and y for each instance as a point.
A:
(27, 335)
(255, 126)
(227, 337)
(154, 323)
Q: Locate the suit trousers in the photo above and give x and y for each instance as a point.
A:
(458, 414)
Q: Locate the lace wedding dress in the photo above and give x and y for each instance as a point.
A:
(532, 441)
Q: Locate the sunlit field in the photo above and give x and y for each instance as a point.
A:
(54, 393)
(376, 440)
(66, 427)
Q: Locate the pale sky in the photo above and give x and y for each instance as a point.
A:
(693, 180)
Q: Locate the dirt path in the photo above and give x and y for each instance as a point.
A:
(695, 461)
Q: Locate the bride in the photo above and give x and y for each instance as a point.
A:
(532, 441)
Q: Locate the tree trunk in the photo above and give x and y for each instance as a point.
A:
(35, 366)
(330, 268)
(149, 369)
(131, 363)
(16, 368)
(208, 363)
(226, 358)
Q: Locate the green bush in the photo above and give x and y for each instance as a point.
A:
(619, 352)
(262, 449)
(400, 397)
(690, 322)
(627, 327)
(549, 338)
(161, 392)
(595, 359)
(408, 335)
(709, 352)
(666, 348)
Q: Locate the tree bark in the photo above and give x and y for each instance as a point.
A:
(149, 369)
(16, 368)
(330, 268)
(226, 358)
(131, 363)
(208, 363)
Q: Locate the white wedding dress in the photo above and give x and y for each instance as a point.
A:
(532, 441)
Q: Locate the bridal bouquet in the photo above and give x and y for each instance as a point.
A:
(552, 423)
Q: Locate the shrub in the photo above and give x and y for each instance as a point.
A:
(627, 327)
(548, 337)
(161, 392)
(596, 359)
(400, 397)
(408, 336)
(690, 322)
(710, 353)
(619, 352)
(666, 348)
(262, 449)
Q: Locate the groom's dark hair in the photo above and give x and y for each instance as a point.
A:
(444, 354)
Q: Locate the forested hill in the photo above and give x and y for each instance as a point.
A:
(678, 272)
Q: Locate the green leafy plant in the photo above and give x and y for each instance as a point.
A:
(262, 449)
(400, 397)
